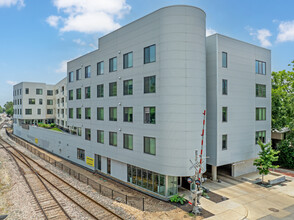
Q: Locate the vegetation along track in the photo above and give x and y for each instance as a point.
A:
(40, 179)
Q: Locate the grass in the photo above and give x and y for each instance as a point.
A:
(56, 129)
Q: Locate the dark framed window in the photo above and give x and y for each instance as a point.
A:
(87, 113)
(128, 114)
(128, 141)
(224, 142)
(113, 138)
(100, 68)
(225, 87)
(78, 113)
(32, 101)
(260, 90)
(28, 111)
(100, 113)
(260, 114)
(224, 60)
(113, 64)
(108, 165)
(225, 114)
(70, 94)
(149, 115)
(40, 101)
(80, 154)
(87, 134)
(150, 145)
(112, 114)
(27, 91)
(100, 136)
(113, 89)
(56, 91)
(128, 87)
(49, 101)
(87, 92)
(49, 92)
(79, 93)
(98, 161)
(100, 91)
(260, 135)
(39, 111)
(260, 67)
(150, 54)
(88, 71)
(39, 91)
(150, 84)
(70, 77)
(78, 74)
(128, 60)
(70, 112)
(49, 111)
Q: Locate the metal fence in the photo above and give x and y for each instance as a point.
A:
(136, 202)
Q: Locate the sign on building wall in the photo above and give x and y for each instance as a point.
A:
(90, 161)
(36, 140)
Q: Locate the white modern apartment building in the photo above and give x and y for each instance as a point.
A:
(135, 105)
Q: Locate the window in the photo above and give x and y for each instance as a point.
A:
(149, 84)
(87, 113)
(100, 68)
(225, 114)
(100, 113)
(224, 142)
(27, 90)
(49, 101)
(128, 141)
(79, 131)
(112, 138)
(88, 134)
(224, 59)
(70, 112)
(112, 64)
(39, 91)
(87, 92)
(88, 72)
(100, 91)
(260, 114)
(100, 136)
(128, 114)
(149, 115)
(112, 114)
(98, 161)
(32, 101)
(225, 87)
(79, 113)
(56, 91)
(128, 87)
(39, 111)
(28, 111)
(128, 60)
(150, 145)
(40, 101)
(78, 74)
(112, 89)
(49, 111)
(79, 93)
(150, 54)
(70, 77)
(260, 90)
(260, 67)
(70, 94)
(81, 154)
(260, 135)
(108, 165)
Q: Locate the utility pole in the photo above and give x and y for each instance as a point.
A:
(196, 180)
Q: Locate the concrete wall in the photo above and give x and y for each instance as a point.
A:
(243, 167)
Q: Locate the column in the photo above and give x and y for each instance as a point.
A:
(214, 173)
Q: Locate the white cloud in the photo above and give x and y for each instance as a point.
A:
(89, 16)
(62, 67)
(53, 20)
(286, 31)
(262, 36)
(9, 3)
(79, 42)
(12, 83)
(93, 46)
(210, 31)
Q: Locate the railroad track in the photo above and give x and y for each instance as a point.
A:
(43, 185)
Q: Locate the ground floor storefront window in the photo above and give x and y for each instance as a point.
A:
(152, 181)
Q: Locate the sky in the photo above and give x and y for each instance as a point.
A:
(37, 38)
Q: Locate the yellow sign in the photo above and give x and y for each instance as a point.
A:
(36, 140)
(90, 161)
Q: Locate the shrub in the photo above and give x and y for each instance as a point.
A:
(52, 125)
(178, 199)
(286, 157)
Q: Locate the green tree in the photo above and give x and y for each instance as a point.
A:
(267, 156)
(1, 109)
(9, 108)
